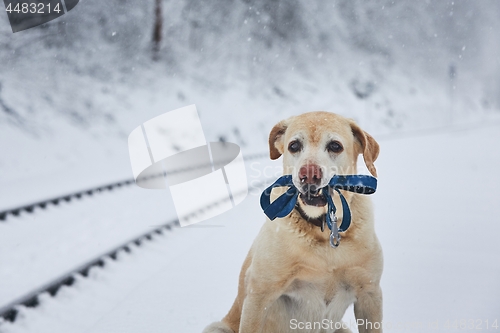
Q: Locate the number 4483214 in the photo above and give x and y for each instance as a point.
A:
(33, 8)
(472, 324)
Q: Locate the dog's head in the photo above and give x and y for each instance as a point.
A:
(315, 147)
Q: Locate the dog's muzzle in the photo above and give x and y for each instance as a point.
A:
(285, 203)
(313, 196)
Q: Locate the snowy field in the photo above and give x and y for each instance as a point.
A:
(423, 77)
(436, 214)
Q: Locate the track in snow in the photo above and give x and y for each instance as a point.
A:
(9, 311)
(42, 204)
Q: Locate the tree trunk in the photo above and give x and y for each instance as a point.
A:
(157, 30)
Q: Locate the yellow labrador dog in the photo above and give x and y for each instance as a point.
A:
(292, 280)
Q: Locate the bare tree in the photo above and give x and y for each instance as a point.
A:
(157, 29)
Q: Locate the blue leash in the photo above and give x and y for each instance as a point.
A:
(285, 203)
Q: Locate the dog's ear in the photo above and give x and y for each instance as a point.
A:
(369, 147)
(276, 138)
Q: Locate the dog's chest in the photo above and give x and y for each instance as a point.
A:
(329, 299)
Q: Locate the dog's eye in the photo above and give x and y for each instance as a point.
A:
(294, 146)
(334, 147)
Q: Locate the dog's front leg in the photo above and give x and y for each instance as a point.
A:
(260, 297)
(254, 311)
(368, 310)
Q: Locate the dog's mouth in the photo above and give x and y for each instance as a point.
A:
(313, 197)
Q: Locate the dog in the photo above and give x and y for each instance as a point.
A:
(292, 280)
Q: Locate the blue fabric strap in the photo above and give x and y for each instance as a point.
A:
(285, 203)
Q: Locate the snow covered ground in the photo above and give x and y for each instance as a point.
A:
(42, 246)
(436, 217)
(73, 89)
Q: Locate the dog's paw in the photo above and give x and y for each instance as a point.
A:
(217, 327)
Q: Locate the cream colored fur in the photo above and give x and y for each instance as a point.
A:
(291, 272)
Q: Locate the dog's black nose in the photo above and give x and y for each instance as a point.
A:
(310, 174)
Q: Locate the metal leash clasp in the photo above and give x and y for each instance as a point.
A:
(334, 233)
